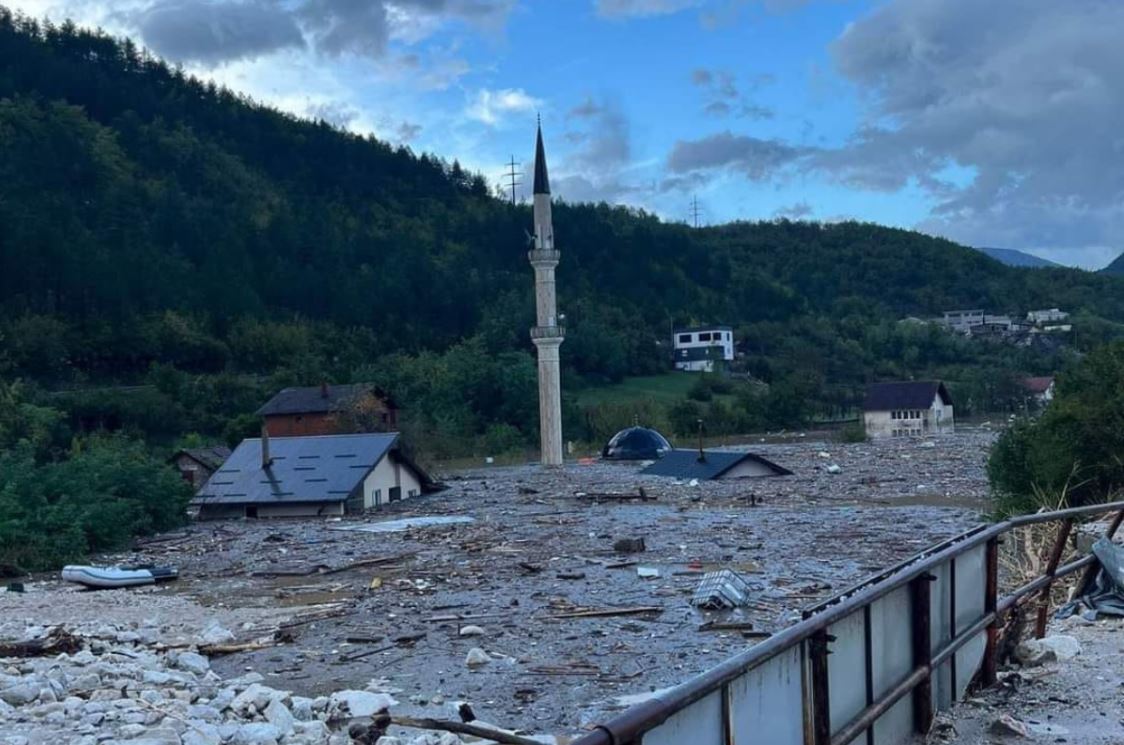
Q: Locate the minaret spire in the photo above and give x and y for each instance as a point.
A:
(547, 334)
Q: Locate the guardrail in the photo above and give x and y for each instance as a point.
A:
(870, 665)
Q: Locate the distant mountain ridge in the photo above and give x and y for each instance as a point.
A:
(1116, 267)
(1011, 257)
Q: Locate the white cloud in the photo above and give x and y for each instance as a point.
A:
(492, 106)
(641, 8)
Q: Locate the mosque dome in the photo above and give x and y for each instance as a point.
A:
(636, 443)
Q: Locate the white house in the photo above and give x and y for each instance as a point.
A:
(907, 409)
(1050, 315)
(321, 475)
(697, 349)
(963, 320)
(1040, 391)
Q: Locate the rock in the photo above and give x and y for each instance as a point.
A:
(256, 733)
(85, 682)
(201, 733)
(834, 468)
(214, 633)
(317, 730)
(257, 696)
(277, 714)
(1007, 726)
(477, 657)
(302, 709)
(387, 740)
(472, 631)
(193, 663)
(355, 704)
(1033, 652)
(20, 694)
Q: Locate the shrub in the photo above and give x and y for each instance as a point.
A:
(853, 432)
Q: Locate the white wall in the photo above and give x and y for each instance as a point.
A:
(388, 474)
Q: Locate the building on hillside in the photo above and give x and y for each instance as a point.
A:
(325, 475)
(712, 465)
(962, 320)
(1050, 315)
(197, 464)
(1040, 391)
(907, 409)
(698, 349)
(329, 410)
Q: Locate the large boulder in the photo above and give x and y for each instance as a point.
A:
(356, 704)
(1033, 652)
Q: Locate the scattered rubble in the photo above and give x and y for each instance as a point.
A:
(1033, 652)
(314, 610)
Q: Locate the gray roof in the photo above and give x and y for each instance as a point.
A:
(692, 329)
(312, 400)
(685, 464)
(911, 394)
(212, 456)
(325, 468)
(542, 181)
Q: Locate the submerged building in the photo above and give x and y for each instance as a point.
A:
(907, 409)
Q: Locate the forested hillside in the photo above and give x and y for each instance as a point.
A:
(160, 232)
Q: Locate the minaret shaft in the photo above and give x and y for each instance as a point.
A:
(547, 334)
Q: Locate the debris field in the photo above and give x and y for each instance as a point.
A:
(547, 599)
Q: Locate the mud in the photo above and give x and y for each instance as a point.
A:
(535, 551)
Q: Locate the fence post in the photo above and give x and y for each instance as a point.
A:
(1051, 568)
(991, 601)
(821, 699)
(922, 652)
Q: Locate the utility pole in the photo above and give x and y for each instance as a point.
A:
(514, 177)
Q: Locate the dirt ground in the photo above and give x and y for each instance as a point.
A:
(1077, 701)
(529, 552)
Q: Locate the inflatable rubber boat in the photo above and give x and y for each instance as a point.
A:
(108, 577)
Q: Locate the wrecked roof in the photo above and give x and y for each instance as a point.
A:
(317, 399)
(685, 464)
(326, 468)
(910, 394)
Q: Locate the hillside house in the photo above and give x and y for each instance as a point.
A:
(962, 320)
(314, 476)
(698, 349)
(197, 464)
(1039, 391)
(1050, 315)
(907, 409)
(329, 410)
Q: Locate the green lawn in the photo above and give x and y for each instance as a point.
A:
(667, 388)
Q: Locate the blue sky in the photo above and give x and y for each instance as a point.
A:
(989, 123)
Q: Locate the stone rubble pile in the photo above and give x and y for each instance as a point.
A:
(122, 688)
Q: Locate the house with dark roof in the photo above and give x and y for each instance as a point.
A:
(710, 465)
(911, 408)
(329, 410)
(322, 475)
(197, 464)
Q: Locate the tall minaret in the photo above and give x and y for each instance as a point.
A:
(547, 334)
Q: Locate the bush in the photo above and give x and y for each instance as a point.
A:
(108, 491)
(1070, 455)
(853, 432)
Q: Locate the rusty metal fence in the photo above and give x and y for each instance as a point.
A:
(872, 664)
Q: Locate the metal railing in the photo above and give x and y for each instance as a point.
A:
(870, 665)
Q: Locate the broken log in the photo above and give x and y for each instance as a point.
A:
(58, 641)
(214, 650)
(726, 626)
(373, 561)
(463, 728)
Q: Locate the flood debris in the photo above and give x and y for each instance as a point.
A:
(724, 588)
(397, 526)
(629, 545)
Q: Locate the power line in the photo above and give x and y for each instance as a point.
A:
(514, 177)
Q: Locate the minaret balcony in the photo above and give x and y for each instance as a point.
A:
(544, 256)
(547, 332)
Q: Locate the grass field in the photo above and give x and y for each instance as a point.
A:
(667, 388)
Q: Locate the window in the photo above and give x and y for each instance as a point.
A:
(684, 338)
(704, 337)
(413, 492)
